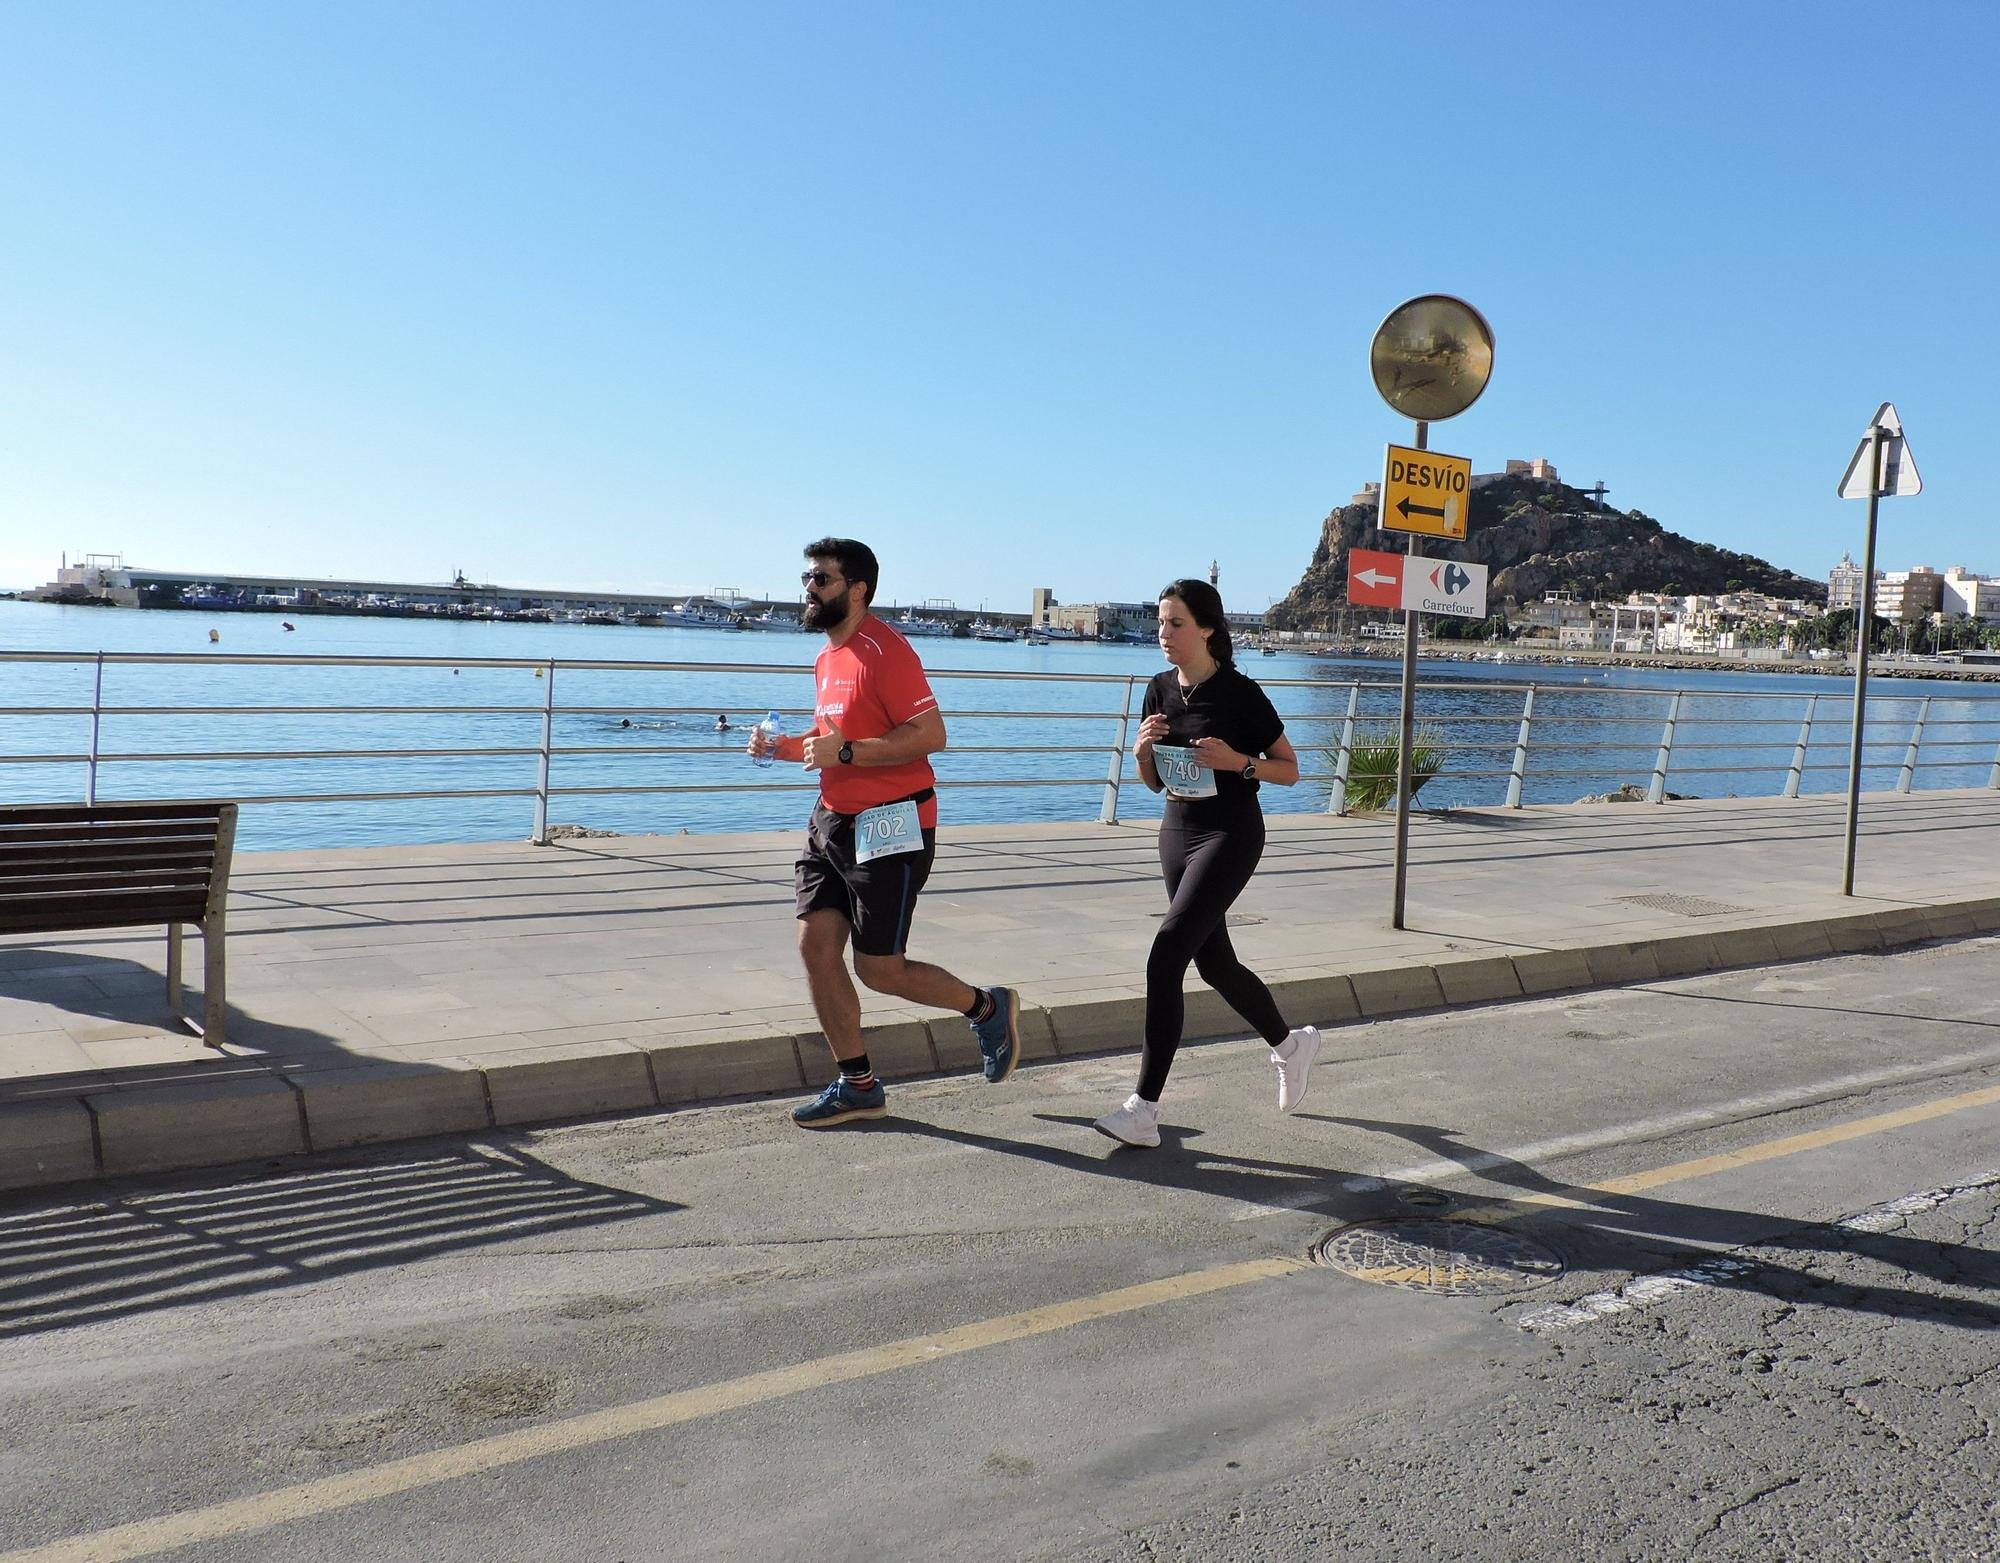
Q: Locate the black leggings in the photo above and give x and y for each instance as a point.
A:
(1206, 869)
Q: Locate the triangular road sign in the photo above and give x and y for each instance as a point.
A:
(1899, 467)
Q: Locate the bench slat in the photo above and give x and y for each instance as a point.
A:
(99, 910)
(53, 859)
(163, 808)
(193, 879)
(14, 836)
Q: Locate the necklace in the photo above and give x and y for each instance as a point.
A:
(1187, 688)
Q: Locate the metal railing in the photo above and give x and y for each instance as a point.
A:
(1561, 733)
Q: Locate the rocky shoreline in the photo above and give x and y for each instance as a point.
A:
(1944, 672)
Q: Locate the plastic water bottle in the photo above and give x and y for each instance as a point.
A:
(772, 727)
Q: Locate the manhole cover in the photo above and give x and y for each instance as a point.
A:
(1681, 905)
(1449, 1258)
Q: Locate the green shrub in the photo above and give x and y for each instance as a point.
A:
(1371, 765)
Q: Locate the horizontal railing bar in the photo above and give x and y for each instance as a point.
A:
(955, 782)
(357, 797)
(328, 754)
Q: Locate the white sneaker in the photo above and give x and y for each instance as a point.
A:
(1295, 1067)
(1136, 1123)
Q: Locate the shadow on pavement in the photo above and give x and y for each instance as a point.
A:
(1636, 1233)
(114, 1258)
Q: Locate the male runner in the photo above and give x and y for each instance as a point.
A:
(872, 836)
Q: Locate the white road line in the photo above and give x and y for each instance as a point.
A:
(1616, 1134)
(1647, 1290)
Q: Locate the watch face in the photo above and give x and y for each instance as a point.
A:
(847, 754)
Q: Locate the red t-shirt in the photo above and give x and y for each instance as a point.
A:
(869, 687)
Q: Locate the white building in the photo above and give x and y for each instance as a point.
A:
(1843, 584)
(1971, 596)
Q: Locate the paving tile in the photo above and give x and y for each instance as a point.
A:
(1551, 971)
(165, 1127)
(1482, 980)
(541, 1084)
(702, 1066)
(45, 1142)
(1395, 990)
(374, 1102)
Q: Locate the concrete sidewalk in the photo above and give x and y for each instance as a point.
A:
(388, 993)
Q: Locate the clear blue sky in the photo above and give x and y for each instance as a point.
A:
(1075, 295)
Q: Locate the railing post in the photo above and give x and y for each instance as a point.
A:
(96, 725)
(541, 835)
(1916, 742)
(1798, 770)
(1994, 779)
(1336, 797)
(1520, 770)
(1657, 793)
(1114, 773)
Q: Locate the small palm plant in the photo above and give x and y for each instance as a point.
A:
(1371, 765)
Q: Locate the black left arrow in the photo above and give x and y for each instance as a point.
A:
(1407, 508)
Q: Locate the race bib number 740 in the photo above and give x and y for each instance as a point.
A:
(1181, 774)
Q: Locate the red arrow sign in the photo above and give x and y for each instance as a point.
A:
(1375, 580)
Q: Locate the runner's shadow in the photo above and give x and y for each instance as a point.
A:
(1635, 1232)
(1175, 1164)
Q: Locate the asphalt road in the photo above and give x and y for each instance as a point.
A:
(1724, 1249)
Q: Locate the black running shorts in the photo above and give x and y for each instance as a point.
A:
(877, 899)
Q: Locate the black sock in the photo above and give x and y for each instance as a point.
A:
(857, 1072)
(983, 1006)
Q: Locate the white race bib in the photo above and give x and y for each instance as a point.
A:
(887, 830)
(1180, 774)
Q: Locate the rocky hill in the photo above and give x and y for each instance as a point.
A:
(1536, 536)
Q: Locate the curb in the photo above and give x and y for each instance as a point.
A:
(255, 1115)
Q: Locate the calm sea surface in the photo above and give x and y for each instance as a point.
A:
(1010, 733)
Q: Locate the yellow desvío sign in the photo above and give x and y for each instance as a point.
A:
(1424, 491)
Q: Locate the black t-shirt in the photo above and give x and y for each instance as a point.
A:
(1228, 705)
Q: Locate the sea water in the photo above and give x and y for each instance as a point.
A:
(1023, 748)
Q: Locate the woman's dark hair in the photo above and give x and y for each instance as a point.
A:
(1204, 603)
(856, 560)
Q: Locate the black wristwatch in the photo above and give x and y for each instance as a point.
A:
(1249, 771)
(847, 754)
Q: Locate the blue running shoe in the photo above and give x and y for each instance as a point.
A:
(1000, 1034)
(842, 1103)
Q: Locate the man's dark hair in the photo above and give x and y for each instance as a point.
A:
(856, 561)
(1204, 606)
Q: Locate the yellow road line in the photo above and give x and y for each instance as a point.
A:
(147, 1538)
(1769, 1150)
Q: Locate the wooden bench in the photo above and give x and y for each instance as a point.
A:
(67, 867)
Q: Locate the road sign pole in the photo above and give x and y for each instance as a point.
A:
(1408, 729)
(1864, 622)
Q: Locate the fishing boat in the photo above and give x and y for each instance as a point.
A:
(982, 630)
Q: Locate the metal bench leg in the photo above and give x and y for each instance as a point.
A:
(174, 967)
(215, 999)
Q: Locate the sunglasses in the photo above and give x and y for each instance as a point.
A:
(816, 578)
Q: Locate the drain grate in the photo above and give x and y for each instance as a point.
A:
(1682, 905)
(1446, 1258)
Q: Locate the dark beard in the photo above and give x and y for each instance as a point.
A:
(828, 615)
